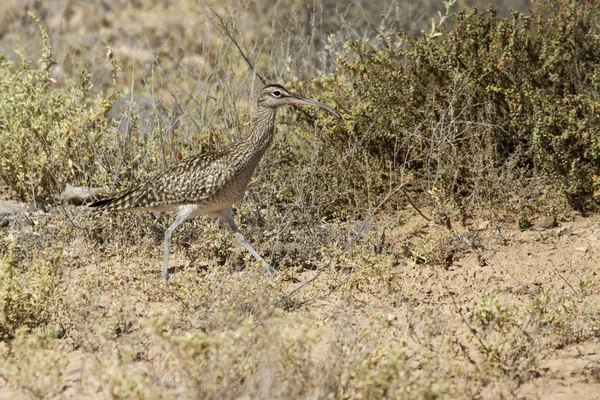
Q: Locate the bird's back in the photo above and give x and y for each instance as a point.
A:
(198, 179)
(211, 181)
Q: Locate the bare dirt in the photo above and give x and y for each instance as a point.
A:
(423, 304)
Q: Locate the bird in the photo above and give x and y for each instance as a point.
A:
(209, 183)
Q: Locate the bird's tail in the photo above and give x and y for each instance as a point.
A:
(120, 202)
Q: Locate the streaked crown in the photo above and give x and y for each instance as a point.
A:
(274, 96)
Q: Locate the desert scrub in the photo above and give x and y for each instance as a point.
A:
(503, 335)
(468, 104)
(47, 133)
(51, 136)
(511, 336)
(35, 362)
(284, 356)
(29, 290)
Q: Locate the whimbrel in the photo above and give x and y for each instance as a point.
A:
(209, 183)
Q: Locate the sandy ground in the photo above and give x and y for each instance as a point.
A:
(511, 263)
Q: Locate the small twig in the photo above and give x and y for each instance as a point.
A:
(465, 321)
(223, 25)
(349, 245)
(567, 282)
(413, 204)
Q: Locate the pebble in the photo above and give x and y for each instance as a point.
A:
(561, 231)
(483, 225)
(545, 223)
(4, 222)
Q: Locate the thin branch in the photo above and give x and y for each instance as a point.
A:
(567, 282)
(349, 245)
(465, 321)
(413, 204)
(223, 26)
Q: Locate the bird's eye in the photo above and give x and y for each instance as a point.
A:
(276, 93)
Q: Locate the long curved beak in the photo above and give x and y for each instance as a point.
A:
(301, 100)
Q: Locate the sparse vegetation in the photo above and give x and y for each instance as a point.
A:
(28, 290)
(502, 100)
(412, 215)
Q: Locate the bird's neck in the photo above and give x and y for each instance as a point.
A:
(263, 126)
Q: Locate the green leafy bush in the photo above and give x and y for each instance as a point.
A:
(485, 110)
(27, 295)
(50, 136)
(465, 105)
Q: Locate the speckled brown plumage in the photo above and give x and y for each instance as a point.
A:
(209, 183)
(210, 180)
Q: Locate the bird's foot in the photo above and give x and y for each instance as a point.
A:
(164, 277)
(164, 273)
(270, 271)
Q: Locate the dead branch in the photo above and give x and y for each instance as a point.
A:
(222, 25)
(283, 299)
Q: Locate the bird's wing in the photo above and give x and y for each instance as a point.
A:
(190, 180)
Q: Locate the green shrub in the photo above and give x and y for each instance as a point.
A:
(27, 295)
(485, 110)
(50, 136)
(465, 105)
(35, 362)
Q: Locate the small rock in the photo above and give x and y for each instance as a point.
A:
(78, 195)
(545, 223)
(561, 231)
(483, 225)
(582, 249)
(4, 222)
(10, 208)
(39, 208)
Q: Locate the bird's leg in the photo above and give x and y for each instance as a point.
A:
(182, 214)
(227, 215)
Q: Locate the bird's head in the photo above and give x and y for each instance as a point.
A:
(275, 96)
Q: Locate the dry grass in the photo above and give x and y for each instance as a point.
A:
(401, 308)
(376, 324)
